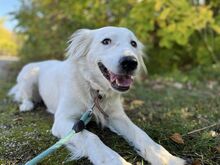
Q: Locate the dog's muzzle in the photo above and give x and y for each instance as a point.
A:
(120, 82)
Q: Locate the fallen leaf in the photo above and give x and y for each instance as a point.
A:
(18, 119)
(218, 148)
(176, 137)
(137, 102)
(196, 162)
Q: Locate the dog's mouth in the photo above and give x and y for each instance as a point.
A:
(118, 82)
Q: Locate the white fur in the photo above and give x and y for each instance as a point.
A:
(65, 86)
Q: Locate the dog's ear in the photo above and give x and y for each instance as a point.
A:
(141, 55)
(79, 43)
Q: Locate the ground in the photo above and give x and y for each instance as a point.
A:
(160, 105)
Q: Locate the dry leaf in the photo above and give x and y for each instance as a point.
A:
(176, 137)
(18, 119)
(218, 148)
(196, 162)
(137, 102)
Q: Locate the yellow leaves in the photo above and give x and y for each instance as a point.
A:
(164, 14)
(178, 20)
(177, 138)
(172, 27)
(205, 11)
(7, 41)
(202, 16)
(216, 28)
(158, 5)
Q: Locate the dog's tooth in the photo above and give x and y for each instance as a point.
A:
(117, 82)
(112, 77)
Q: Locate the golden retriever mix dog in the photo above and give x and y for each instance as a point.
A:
(104, 60)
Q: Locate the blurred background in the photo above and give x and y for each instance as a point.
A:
(179, 35)
(177, 104)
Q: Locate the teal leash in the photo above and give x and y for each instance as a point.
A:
(78, 126)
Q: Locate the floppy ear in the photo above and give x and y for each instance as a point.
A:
(141, 55)
(79, 43)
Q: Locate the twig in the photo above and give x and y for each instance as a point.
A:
(201, 129)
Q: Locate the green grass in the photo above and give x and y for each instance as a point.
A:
(167, 108)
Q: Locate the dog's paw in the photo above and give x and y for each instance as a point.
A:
(119, 161)
(160, 156)
(109, 158)
(176, 161)
(168, 161)
(26, 106)
(124, 162)
(112, 160)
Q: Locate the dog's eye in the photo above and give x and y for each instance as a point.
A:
(134, 44)
(106, 41)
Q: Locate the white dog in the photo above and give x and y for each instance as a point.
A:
(104, 60)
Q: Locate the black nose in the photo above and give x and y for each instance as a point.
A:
(128, 63)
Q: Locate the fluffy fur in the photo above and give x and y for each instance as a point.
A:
(65, 87)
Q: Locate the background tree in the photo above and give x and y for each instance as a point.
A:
(8, 45)
(178, 34)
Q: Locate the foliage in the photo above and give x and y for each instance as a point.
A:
(178, 34)
(8, 45)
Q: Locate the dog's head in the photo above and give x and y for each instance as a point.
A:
(110, 57)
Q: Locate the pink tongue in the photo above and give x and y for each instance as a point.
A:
(124, 80)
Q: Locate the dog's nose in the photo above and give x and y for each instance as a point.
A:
(128, 63)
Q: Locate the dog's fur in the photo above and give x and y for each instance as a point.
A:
(65, 87)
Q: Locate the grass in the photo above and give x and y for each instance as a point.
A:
(161, 106)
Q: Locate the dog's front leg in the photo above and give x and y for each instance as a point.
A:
(85, 143)
(146, 147)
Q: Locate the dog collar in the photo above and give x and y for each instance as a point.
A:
(97, 98)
